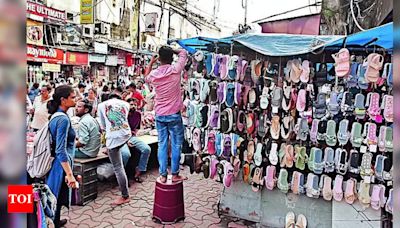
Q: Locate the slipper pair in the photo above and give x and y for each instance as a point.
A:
(291, 218)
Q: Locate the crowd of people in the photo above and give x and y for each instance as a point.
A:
(85, 115)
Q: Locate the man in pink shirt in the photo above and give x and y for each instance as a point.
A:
(166, 80)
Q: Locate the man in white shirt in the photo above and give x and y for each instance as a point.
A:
(39, 110)
(113, 115)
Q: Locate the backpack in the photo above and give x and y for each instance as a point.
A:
(40, 160)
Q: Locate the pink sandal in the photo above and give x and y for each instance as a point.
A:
(374, 65)
(270, 177)
(342, 62)
(350, 193)
(338, 188)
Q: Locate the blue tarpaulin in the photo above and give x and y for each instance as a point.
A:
(284, 44)
(289, 44)
(383, 35)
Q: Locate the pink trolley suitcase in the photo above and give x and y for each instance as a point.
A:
(168, 206)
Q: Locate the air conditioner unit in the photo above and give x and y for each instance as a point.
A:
(105, 28)
(87, 31)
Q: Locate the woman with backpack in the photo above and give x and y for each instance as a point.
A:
(60, 178)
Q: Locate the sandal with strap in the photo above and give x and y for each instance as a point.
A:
(270, 177)
(283, 180)
(350, 194)
(338, 188)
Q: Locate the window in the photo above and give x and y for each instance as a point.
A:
(70, 16)
(87, 30)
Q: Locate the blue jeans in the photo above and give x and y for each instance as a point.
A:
(169, 127)
(142, 147)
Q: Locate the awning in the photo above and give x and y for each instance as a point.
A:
(284, 44)
(267, 44)
(383, 35)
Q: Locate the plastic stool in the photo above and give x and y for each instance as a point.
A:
(168, 206)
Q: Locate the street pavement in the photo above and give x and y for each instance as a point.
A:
(201, 203)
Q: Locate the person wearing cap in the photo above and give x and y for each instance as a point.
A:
(166, 81)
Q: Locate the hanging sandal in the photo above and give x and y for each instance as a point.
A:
(382, 138)
(388, 108)
(331, 133)
(318, 166)
(257, 155)
(283, 181)
(321, 135)
(327, 193)
(273, 155)
(365, 169)
(347, 105)
(374, 64)
(343, 133)
(350, 194)
(275, 127)
(341, 161)
(329, 160)
(320, 106)
(287, 127)
(378, 199)
(228, 173)
(301, 157)
(356, 135)
(270, 177)
(342, 62)
(374, 110)
(289, 156)
(305, 73)
(295, 70)
(389, 202)
(354, 162)
(359, 106)
(333, 105)
(301, 100)
(256, 184)
(304, 130)
(338, 188)
(246, 172)
(286, 101)
(363, 194)
(389, 139)
(313, 190)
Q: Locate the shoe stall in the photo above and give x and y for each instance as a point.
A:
(298, 129)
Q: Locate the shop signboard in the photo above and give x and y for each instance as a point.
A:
(95, 58)
(121, 57)
(49, 67)
(44, 54)
(86, 12)
(150, 22)
(77, 58)
(45, 12)
(112, 60)
(101, 48)
(34, 32)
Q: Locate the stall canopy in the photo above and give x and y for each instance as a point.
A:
(267, 44)
(380, 36)
(288, 44)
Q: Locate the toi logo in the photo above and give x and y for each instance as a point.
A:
(20, 199)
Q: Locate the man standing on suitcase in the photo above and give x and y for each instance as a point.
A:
(166, 80)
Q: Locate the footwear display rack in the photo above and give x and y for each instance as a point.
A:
(320, 129)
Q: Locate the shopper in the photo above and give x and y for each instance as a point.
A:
(88, 134)
(137, 95)
(34, 91)
(134, 119)
(92, 98)
(39, 110)
(113, 115)
(105, 94)
(166, 80)
(60, 176)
